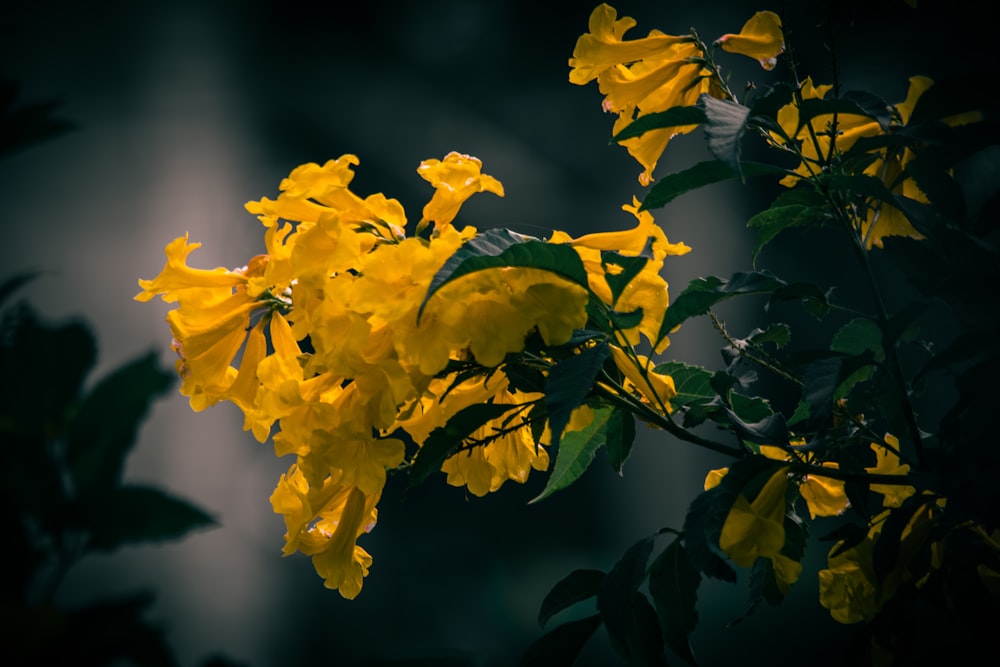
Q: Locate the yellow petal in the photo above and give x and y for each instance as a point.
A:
(761, 38)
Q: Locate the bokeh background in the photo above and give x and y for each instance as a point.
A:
(186, 110)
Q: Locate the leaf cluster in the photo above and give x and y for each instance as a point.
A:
(63, 447)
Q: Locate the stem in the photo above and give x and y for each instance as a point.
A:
(619, 397)
(769, 365)
(895, 367)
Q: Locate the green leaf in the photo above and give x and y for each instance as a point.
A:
(857, 336)
(673, 585)
(575, 453)
(561, 646)
(620, 437)
(778, 333)
(671, 186)
(703, 293)
(577, 586)
(44, 367)
(615, 597)
(643, 643)
(821, 381)
(630, 268)
(725, 125)
(777, 219)
(568, 384)
(692, 383)
(771, 430)
(445, 440)
(129, 515)
(497, 248)
(852, 102)
(105, 428)
(673, 117)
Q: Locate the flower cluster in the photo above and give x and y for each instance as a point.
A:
(347, 355)
(659, 72)
(755, 529)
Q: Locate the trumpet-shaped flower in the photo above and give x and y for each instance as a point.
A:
(604, 46)
(647, 290)
(760, 38)
(455, 178)
(640, 76)
(756, 529)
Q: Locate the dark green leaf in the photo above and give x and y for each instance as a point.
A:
(105, 428)
(777, 219)
(445, 440)
(643, 643)
(561, 646)
(615, 597)
(129, 515)
(750, 408)
(725, 125)
(936, 182)
(859, 184)
(692, 383)
(524, 378)
(853, 102)
(673, 117)
(568, 384)
(952, 95)
(671, 186)
(496, 248)
(771, 430)
(44, 368)
(765, 106)
(673, 585)
(886, 554)
(703, 293)
(620, 438)
(624, 321)
(822, 380)
(778, 333)
(857, 336)
(577, 586)
(630, 268)
(819, 380)
(575, 453)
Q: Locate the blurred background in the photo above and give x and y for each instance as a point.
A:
(186, 110)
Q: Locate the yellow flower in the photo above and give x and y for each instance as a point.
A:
(760, 38)
(455, 179)
(604, 47)
(490, 312)
(655, 388)
(640, 76)
(177, 275)
(647, 290)
(846, 586)
(756, 529)
(210, 322)
(510, 453)
(887, 463)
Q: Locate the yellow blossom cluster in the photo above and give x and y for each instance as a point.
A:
(755, 529)
(658, 72)
(332, 342)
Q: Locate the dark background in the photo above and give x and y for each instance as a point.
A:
(186, 110)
